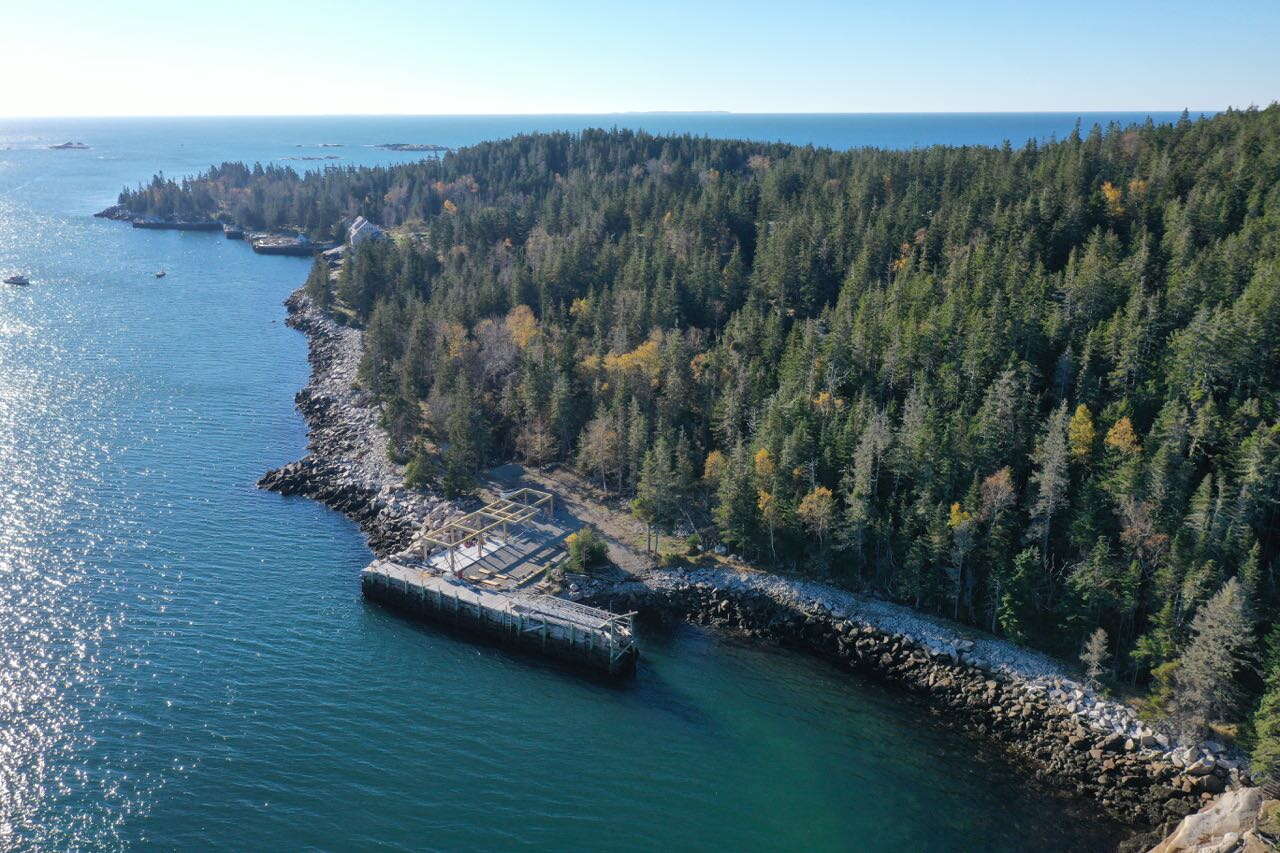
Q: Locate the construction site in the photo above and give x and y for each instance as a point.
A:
(486, 572)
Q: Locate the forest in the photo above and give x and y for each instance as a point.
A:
(1034, 389)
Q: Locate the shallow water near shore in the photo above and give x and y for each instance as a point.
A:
(188, 662)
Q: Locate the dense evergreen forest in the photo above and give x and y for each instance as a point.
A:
(1035, 389)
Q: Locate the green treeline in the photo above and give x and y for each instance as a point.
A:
(1035, 389)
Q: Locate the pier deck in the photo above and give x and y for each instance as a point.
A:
(478, 571)
(553, 626)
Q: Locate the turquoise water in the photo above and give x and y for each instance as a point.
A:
(187, 662)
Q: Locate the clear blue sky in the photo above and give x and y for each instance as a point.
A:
(100, 57)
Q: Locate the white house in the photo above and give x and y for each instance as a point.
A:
(362, 229)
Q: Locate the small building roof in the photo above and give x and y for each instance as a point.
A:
(362, 229)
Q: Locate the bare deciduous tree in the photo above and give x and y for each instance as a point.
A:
(600, 448)
(1094, 656)
(536, 442)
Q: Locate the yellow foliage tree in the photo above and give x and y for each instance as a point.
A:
(770, 514)
(645, 360)
(959, 517)
(455, 339)
(1081, 433)
(1112, 194)
(817, 510)
(824, 402)
(522, 325)
(698, 365)
(713, 467)
(450, 207)
(764, 464)
(1122, 437)
(904, 258)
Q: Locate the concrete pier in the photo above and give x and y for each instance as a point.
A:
(571, 632)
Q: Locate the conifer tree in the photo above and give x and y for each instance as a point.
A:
(1221, 637)
(1050, 477)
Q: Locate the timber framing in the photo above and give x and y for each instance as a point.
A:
(474, 528)
(475, 573)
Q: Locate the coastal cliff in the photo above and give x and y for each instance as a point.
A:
(1059, 731)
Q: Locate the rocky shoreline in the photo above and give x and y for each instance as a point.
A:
(1052, 727)
(1025, 702)
(347, 467)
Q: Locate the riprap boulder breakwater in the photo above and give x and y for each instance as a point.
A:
(1061, 732)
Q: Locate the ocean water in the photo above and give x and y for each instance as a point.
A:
(187, 663)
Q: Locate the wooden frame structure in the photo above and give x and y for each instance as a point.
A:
(518, 507)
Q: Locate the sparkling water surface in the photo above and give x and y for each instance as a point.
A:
(186, 662)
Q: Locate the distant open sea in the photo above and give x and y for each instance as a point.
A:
(187, 663)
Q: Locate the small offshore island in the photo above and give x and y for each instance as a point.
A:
(915, 412)
(413, 146)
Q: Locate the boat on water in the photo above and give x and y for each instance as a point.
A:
(161, 274)
(20, 280)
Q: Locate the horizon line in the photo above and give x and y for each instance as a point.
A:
(1081, 111)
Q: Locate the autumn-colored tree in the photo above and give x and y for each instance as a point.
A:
(1112, 195)
(817, 510)
(522, 325)
(771, 514)
(1122, 437)
(998, 493)
(713, 467)
(1081, 434)
(764, 464)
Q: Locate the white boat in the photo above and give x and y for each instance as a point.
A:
(160, 274)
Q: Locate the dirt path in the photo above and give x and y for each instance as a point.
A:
(580, 503)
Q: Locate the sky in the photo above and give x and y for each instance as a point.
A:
(95, 58)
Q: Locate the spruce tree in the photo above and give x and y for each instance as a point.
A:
(1221, 637)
